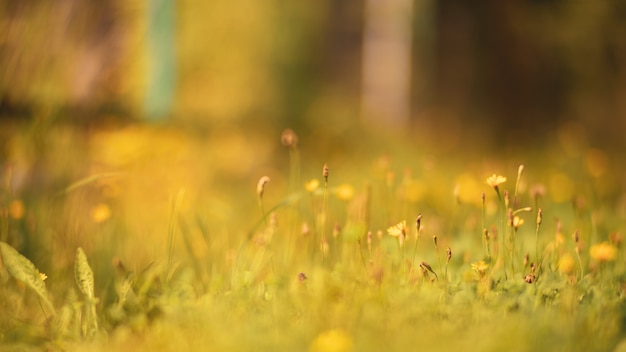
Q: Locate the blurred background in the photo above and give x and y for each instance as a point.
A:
(140, 99)
(516, 68)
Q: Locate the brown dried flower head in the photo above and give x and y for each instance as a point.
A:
(289, 138)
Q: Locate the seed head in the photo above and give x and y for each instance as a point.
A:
(448, 255)
(260, 187)
(289, 138)
(418, 222)
(539, 216)
(325, 172)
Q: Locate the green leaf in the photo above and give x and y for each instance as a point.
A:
(25, 271)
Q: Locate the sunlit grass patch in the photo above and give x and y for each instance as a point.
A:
(177, 248)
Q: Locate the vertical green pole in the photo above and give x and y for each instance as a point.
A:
(161, 75)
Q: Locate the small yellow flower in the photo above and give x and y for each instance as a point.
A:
(480, 267)
(100, 213)
(603, 252)
(517, 222)
(16, 209)
(345, 192)
(335, 340)
(43, 276)
(495, 180)
(312, 185)
(398, 230)
(566, 264)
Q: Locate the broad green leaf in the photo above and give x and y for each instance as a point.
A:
(25, 271)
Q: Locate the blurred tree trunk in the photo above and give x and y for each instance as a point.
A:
(386, 85)
(161, 73)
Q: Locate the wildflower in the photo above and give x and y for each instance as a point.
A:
(398, 230)
(100, 213)
(345, 192)
(43, 276)
(480, 267)
(312, 185)
(517, 222)
(566, 264)
(335, 340)
(16, 209)
(495, 180)
(603, 252)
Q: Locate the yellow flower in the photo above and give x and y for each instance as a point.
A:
(16, 209)
(398, 230)
(480, 267)
(566, 264)
(100, 213)
(312, 185)
(43, 276)
(603, 252)
(345, 192)
(495, 180)
(335, 340)
(517, 222)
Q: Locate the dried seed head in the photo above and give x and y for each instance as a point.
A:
(419, 223)
(325, 172)
(483, 198)
(425, 268)
(486, 234)
(539, 216)
(336, 230)
(435, 240)
(448, 255)
(260, 187)
(576, 236)
(507, 199)
(530, 278)
(302, 277)
(289, 138)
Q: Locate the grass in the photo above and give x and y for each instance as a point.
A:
(388, 250)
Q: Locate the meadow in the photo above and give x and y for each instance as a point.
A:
(169, 238)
